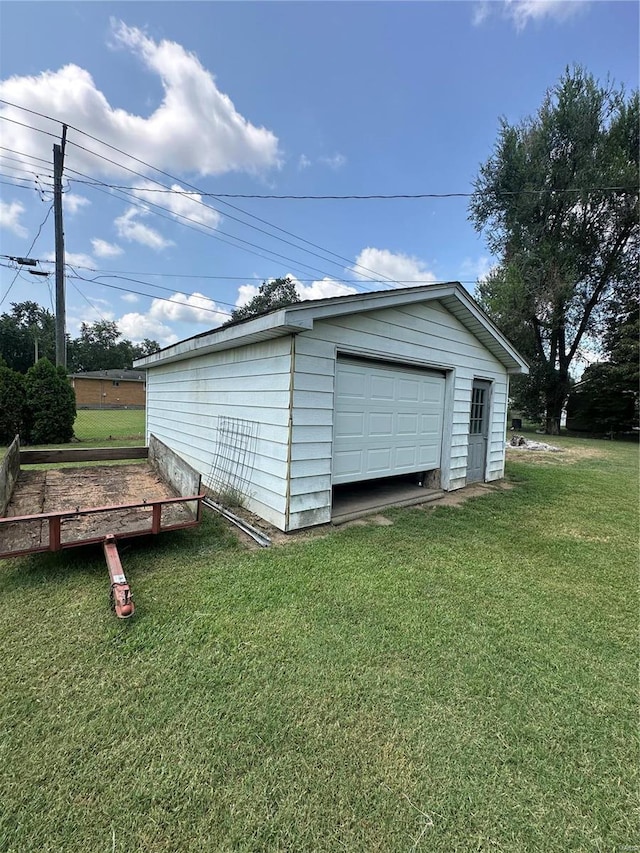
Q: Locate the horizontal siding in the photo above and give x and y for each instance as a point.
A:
(186, 400)
(426, 334)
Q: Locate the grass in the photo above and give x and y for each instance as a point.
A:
(99, 425)
(462, 680)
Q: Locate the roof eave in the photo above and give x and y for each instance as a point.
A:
(301, 316)
(274, 325)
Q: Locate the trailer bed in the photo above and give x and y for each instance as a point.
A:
(47, 510)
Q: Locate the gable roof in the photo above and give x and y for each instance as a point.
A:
(300, 316)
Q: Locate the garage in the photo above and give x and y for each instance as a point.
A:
(388, 420)
(284, 408)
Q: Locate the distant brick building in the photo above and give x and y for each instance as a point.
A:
(110, 389)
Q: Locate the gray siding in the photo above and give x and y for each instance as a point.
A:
(185, 400)
(425, 334)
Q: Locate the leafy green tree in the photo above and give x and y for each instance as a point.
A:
(51, 408)
(27, 332)
(271, 295)
(12, 404)
(145, 348)
(558, 203)
(622, 340)
(96, 348)
(601, 402)
(100, 346)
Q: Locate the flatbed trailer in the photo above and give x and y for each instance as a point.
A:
(49, 509)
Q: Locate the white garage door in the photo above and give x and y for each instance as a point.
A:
(388, 420)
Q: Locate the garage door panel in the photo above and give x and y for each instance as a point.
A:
(380, 424)
(350, 424)
(408, 391)
(346, 464)
(379, 459)
(388, 421)
(407, 457)
(381, 388)
(431, 424)
(350, 384)
(407, 424)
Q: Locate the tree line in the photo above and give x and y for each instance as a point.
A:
(27, 333)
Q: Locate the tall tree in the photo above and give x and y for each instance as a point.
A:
(27, 332)
(271, 294)
(558, 202)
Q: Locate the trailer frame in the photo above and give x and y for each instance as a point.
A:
(176, 476)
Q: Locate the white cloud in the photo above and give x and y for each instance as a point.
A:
(129, 228)
(74, 259)
(73, 203)
(10, 213)
(182, 203)
(194, 308)
(322, 289)
(103, 249)
(136, 327)
(129, 297)
(246, 292)
(383, 264)
(481, 12)
(336, 162)
(521, 12)
(303, 162)
(195, 128)
(477, 269)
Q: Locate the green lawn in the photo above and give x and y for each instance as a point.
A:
(108, 424)
(461, 680)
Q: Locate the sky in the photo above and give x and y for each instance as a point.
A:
(169, 101)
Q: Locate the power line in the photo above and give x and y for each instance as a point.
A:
(215, 233)
(378, 196)
(28, 126)
(23, 154)
(190, 194)
(151, 296)
(86, 299)
(15, 278)
(174, 178)
(249, 278)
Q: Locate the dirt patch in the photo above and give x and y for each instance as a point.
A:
(570, 455)
(476, 490)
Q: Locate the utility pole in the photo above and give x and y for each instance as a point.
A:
(58, 165)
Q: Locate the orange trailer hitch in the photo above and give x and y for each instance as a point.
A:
(121, 600)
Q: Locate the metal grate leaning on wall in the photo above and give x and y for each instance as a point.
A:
(234, 460)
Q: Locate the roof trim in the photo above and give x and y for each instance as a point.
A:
(301, 316)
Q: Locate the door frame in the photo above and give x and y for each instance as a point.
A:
(487, 385)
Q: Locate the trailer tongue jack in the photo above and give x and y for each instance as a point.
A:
(121, 600)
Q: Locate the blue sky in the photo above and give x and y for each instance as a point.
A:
(268, 98)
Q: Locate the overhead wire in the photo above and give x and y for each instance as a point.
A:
(86, 299)
(193, 188)
(24, 154)
(15, 278)
(152, 296)
(216, 232)
(370, 197)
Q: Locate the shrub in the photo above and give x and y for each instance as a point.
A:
(51, 404)
(12, 405)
